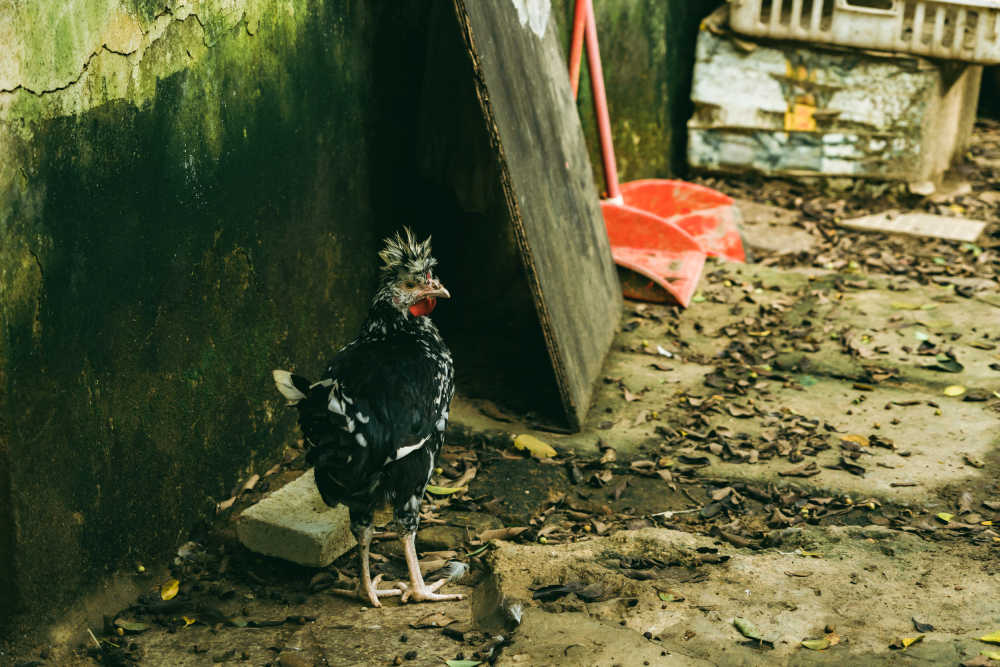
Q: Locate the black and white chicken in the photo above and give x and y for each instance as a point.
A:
(375, 421)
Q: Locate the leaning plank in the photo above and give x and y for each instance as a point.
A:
(523, 91)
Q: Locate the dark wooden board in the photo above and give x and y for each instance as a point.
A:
(523, 91)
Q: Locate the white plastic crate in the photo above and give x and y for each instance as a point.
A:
(790, 108)
(966, 30)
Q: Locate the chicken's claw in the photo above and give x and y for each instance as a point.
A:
(426, 593)
(369, 593)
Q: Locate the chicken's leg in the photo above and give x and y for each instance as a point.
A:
(367, 589)
(417, 589)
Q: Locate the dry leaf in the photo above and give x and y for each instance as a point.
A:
(444, 490)
(133, 627)
(973, 461)
(225, 504)
(719, 494)
(466, 477)
(169, 590)
(905, 642)
(250, 483)
(747, 629)
(535, 447)
(435, 620)
(501, 533)
(816, 644)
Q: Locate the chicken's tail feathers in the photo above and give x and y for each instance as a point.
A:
(292, 387)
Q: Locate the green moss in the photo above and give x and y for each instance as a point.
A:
(175, 243)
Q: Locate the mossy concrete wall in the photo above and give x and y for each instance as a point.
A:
(647, 51)
(185, 196)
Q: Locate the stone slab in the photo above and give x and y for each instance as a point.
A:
(918, 223)
(295, 524)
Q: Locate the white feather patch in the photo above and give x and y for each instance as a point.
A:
(403, 451)
(361, 440)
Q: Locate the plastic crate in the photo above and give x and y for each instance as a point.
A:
(966, 30)
(783, 107)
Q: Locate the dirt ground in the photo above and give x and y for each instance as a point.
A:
(801, 468)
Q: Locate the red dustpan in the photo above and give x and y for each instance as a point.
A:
(660, 230)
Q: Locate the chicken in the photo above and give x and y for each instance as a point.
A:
(375, 421)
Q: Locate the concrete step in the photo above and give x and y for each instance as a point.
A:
(295, 524)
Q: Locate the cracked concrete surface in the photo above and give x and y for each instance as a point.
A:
(54, 48)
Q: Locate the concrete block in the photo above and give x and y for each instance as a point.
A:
(295, 524)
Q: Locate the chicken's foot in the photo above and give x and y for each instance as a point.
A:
(367, 589)
(417, 590)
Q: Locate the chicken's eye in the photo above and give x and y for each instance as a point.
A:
(410, 284)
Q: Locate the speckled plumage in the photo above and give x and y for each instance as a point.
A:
(375, 421)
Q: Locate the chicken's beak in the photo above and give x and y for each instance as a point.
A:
(435, 289)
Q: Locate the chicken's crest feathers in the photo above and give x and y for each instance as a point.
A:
(404, 253)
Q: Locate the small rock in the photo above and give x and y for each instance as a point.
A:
(295, 524)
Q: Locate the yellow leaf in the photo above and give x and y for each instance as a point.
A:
(945, 516)
(954, 390)
(168, 591)
(810, 554)
(816, 644)
(444, 490)
(535, 447)
(992, 638)
(992, 655)
(856, 439)
(908, 641)
(189, 621)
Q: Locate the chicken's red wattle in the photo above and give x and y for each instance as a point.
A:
(423, 307)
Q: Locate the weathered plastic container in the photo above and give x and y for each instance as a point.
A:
(967, 30)
(784, 107)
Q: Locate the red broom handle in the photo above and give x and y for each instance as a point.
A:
(576, 46)
(601, 104)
